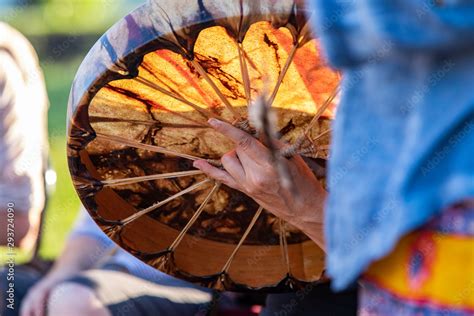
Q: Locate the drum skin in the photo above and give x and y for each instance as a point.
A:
(151, 80)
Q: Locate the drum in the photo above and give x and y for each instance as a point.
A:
(138, 112)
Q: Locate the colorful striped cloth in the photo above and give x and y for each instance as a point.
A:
(430, 272)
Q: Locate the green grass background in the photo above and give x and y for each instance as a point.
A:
(63, 202)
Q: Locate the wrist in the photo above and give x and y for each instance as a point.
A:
(310, 210)
(309, 217)
(58, 274)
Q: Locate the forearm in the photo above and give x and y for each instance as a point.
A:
(315, 231)
(80, 253)
(310, 218)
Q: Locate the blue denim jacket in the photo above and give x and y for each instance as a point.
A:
(403, 143)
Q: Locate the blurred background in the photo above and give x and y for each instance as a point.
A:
(62, 32)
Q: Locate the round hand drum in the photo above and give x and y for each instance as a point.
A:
(138, 114)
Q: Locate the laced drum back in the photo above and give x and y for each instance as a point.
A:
(138, 114)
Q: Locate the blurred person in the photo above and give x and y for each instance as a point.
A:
(400, 213)
(92, 276)
(23, 140)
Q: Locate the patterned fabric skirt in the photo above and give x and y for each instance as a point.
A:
(430, 271)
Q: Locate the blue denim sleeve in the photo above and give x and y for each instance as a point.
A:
(353, 31)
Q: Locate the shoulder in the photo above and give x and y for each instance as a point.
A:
(17, 50)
